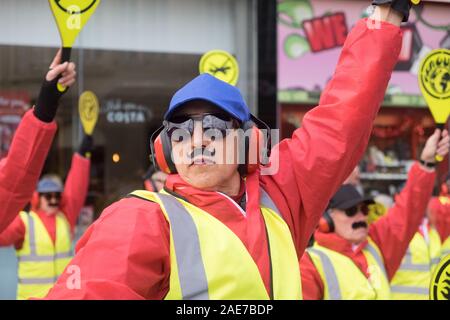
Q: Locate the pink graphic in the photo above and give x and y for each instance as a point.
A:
(311, 33)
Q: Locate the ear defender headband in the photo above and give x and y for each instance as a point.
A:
(161, 147)
(326, 224)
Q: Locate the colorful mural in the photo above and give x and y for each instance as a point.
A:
(311, 35)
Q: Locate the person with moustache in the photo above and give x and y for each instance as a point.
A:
(21, 169)
(352, 260)
(43, 236)
(236, 229)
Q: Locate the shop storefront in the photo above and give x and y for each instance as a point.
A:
(310, 38)
(133, 55)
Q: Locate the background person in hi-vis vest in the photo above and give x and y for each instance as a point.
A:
(351, 259)
(229, 229)
(42, 236)
(439, 215)
(412, 279)
(20, 170)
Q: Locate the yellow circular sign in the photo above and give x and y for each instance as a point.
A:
(88, 109)
(434, 81)
(440, 283)
(415, 1)
(435, 74)
(221, 65)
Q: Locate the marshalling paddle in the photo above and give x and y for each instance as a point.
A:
(71, 16)
(434, 82)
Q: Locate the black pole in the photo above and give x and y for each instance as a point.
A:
(267, 61)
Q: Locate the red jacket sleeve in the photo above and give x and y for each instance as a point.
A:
(334, 135)
(440, 215)
(22, 167)
(394, 231)
(14, 234)
(76, 188)
(123, 255)
(312, 285)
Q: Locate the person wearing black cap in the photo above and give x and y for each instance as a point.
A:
(43, 236)
(228, 224)
(20, 170)
(353, 260)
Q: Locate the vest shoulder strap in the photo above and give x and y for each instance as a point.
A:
(186, 243)
(329, 272)
(372, 248)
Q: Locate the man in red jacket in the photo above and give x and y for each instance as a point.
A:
(54, 213)
(20, 170)
(207, 235)
(351, 260)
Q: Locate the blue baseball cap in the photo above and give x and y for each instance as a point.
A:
(47, 185)
(209, 88)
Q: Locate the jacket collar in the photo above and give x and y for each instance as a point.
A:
(336, 243)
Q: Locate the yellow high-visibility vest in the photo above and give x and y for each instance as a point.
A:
(412, 279)
(342, 278)
(208, 260)
(445, 248)
(41, 261)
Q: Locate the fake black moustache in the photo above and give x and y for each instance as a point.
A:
(359, 224)
(197, 152)
(55, 205)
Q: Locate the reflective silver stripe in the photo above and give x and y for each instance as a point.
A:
(445, 253)
(191, 270)
(35, 258)
(32, 235)
(330, 275)
(435, 260)
(411, 290)
(377, 257)
(37, 281)
(414, 267)
(267, 202)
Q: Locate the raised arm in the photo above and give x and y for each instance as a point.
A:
(21, 169)
(394, 231)
(334, 135)
(76, 187)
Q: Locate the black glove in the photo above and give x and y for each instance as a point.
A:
(47, 102)
(86, 145)
(402, 6)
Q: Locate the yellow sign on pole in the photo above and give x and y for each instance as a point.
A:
(71, 16)
(434, 82)
(221, 65)
(89, 109)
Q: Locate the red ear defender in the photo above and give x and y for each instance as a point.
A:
(159, 156)
(256, 144)
(34, 201)
(255, 147)
(161, 151)
(326, 224)
(323, 225)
